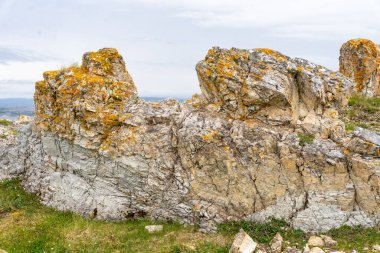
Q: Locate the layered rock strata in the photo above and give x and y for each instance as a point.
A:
(263, 140)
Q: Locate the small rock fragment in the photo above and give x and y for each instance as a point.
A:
(276, 243)
(316, 241)
(376, 248)
(292, 250)
(3, 251)
(306, 249)
(154, 228)
(316, 250)
(243, 243)
(260, 251)
(329, 242)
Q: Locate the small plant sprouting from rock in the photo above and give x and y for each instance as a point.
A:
(68, 67)
(306, 138)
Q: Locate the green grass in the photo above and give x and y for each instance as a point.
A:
(366, 103)
(28, 226)
(362, 112)
(306, 138)
(264, 232)
(355, 237)
(5, 122)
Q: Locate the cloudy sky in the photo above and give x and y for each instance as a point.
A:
(161, 40)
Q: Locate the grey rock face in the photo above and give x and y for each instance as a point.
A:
(233, 153)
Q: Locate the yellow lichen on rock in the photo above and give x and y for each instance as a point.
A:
(360, 61)
(275, 54)
(93, 94)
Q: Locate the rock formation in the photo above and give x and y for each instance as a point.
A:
(263, 140)
(360, 61)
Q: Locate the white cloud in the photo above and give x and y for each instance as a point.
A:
(293, 18)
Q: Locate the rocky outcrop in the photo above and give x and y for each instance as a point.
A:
(360, 61)
(263, 140)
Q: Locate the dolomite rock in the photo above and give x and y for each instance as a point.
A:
(316, 250)
(316, 241)
(276, 244)
(360, 61)
(328, 241)
(243, 243)
(10, 151)
(231, 153)
(263, 83)
(306, 249)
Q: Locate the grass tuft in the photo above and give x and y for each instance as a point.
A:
(264, 232)
(5, 122)
(306, 139)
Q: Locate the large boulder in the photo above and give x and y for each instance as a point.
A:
(263, 140)
(360, 61)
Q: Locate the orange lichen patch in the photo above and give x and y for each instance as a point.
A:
(273, 53)
(299, 69)
(347, 151)
(51, 74)
(360, 60)
(211, 135)
(360, 42)
(74, 95)
(101, 62)
(41, 85)
(251, 123)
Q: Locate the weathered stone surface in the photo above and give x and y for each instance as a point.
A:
(247, 82)
(306, 249)
(329, 242)
(360, 61)
(316, 241)
(10, 150)
(243, 243)
(154, 228)
(233, 152)
(276, 244)
(316, 250)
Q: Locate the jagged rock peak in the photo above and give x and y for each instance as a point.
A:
(94, 93)
(244, 82)
(360, 61)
